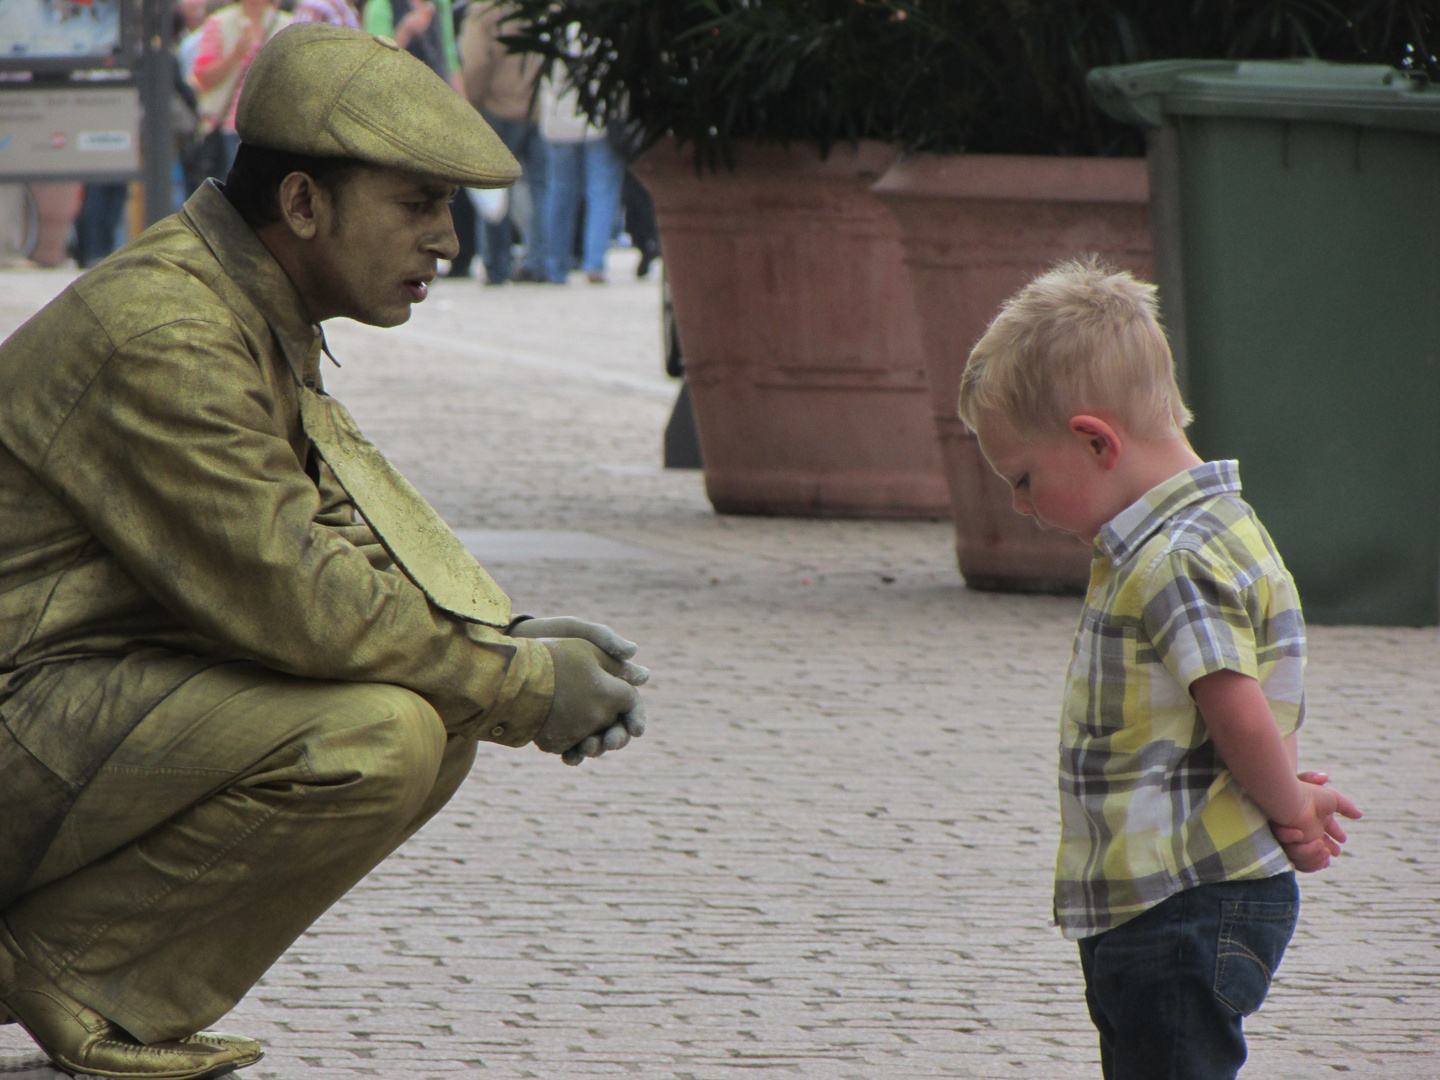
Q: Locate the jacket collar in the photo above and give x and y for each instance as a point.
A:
(1123, 535)
(249, 264)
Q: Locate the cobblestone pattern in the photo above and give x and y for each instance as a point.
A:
(831, 856)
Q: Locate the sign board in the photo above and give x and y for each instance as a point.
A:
(68, 133)
(62, 35)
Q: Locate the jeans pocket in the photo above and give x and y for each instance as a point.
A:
(1252, 939)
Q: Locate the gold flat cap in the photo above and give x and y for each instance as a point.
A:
(330, 91)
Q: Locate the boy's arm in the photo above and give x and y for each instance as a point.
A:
(1239, 720)
(1315, 854)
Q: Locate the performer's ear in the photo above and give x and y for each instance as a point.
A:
(302, 202)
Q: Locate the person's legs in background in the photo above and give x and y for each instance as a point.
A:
(98, 223)
(193, 171)
(210, 157)
(536, 164)
(178, 191)
(497, 238)
(564, 176)
(194, 165)
(462, 214)
(640, 222)
(604, 178)
(229, 147)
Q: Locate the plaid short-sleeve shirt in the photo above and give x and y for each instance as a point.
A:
(1185, 582)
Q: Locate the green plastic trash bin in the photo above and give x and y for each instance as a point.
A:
(1297, 237)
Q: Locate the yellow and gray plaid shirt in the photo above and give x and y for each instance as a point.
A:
(1185, 582)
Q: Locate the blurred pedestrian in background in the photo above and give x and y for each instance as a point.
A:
(640, 222)
(229, 41)
(98, 226)
(333, 12)
(188, 16)
(501, 85)
(421, 27)
(580, 161)
(191, 15)
(426, 29)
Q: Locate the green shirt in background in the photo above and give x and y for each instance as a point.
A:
(379, 18)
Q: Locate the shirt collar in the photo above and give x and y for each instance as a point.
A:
(1122, 536)
(248, 263)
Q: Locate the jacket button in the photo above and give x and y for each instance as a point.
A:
(497, 731)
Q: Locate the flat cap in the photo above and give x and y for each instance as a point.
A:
(329, 91)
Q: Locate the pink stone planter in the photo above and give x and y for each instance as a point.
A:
(801, 345)
(57, 205)
(976, 227)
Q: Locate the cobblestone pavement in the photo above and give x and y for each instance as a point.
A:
(831, 856)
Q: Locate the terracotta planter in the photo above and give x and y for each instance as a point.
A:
(58, 205)
(802, 350)
(976, 228)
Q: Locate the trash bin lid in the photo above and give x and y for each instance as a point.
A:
(1365, 95)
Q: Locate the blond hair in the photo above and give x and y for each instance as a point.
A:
(1082, 337)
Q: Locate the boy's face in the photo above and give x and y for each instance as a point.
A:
(1063, 481)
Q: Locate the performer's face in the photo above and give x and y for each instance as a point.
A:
(377, 243)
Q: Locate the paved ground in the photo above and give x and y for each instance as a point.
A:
(831, 856)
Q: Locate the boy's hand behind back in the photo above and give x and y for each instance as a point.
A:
(1314, 852)
(1301, 808)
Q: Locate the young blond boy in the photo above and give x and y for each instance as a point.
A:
(1184, 691)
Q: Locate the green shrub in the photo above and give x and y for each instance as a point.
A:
(997, 76)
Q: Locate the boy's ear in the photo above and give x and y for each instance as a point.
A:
(1100, 439)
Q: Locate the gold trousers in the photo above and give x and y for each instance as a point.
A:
(228, 821)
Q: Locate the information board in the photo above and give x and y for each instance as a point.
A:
(51, 35)
(69, 133)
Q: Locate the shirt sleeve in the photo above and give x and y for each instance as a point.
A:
(174, 459)
(1197, 619)
(337, 512)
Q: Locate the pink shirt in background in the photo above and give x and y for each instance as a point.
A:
(211, 48)
(334, 12)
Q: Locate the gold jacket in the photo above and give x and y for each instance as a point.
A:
(162, 510)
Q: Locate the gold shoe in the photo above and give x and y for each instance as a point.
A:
(7, 976)
(80, 1040)
(219, 1040)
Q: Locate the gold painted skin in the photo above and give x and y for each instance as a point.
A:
(156, 516)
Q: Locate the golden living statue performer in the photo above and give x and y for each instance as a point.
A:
(224, 695)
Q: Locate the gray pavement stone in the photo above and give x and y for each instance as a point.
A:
(831, 855)
(496, 546)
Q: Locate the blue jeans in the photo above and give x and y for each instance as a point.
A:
(100, 215)
(596, 170)
(522, 139)
(1168, 990)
